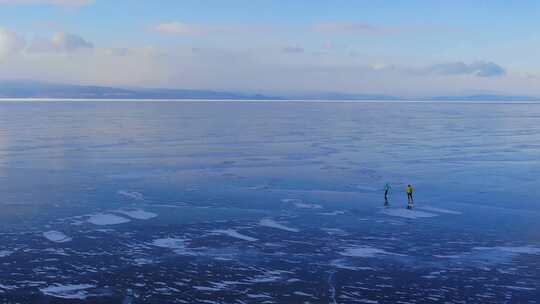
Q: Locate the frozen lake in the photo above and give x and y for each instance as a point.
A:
(268, 202)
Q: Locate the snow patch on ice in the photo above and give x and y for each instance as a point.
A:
(345, 264)
(68, 291)
(56, 236)
(273, 224)
(102, 219)
(334, 231)
(142, 261)
(138, 214)
(131, 194)
(235, 234)
(291, 200)
(205, 288)
(267, 277)
(132, 175)
(440, 256)
(177, 245)
(493, 255)
(303, 294)
(365, 252)
(367, 301)
(406, 213)
(513, 250)
(298, 203)
(307, 206)
(520, 288)
(171, 205)
(258, 296)
(7, 287)
(5, 253)
(336, 212)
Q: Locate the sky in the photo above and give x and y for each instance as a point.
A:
(403, 48)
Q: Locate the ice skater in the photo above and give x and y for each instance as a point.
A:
(387, 188)
(410, 202)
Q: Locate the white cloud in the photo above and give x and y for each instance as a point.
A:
(477, 68)
(50, 2)
(355, 28)
(256, 69)
(179, 28)
(10, 43)
(70, 42)
(175, 28)
(60, 42)
(446, 69)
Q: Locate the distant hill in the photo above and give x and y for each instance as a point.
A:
(485, 97)
(32, 89)
(341, 96)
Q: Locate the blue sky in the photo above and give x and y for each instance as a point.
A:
(412, 48)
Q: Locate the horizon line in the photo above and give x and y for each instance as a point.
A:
(412, 100)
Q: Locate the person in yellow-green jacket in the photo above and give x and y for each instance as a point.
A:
(410, 202)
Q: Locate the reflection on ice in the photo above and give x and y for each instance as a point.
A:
(439, 210)
(406, 213)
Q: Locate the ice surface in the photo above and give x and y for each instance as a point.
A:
(235, 234)
(68, 291)
(369, 188)
(473, 166)
(107, 219)
(406, 213)
(273, 224)
(138, 214)
(56, 236)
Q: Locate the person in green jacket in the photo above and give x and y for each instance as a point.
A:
(387, 189)
(410, 202)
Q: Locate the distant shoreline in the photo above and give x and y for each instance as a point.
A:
(272, 100)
